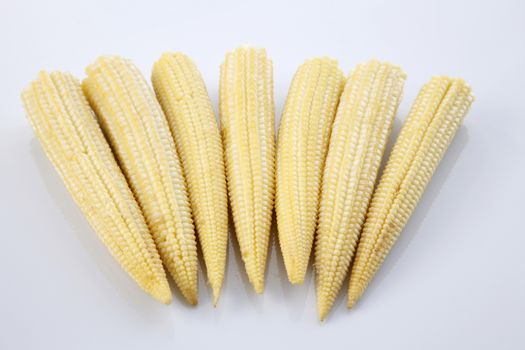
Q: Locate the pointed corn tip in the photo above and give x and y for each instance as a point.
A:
(351, 302)
(256, 279)
(191, 298)
(166, 300)
(354, 294)
(324, 306)
(295, 279)
(162, 294)
(216, 295)
(323, 312)
(258, 287)
(193, 301)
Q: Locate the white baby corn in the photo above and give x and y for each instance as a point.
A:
(431, 125)
(183, 96)
(360, 132)
(70, 136)
(139, 135)
(302, 145)
(247, 123)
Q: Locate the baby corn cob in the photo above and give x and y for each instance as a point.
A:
(140, 137)
(248, 131)
(301, 150)
(70, 136)
(431, 125)
(185, 101)
(359, 135)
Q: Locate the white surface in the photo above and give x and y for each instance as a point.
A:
(454, 280)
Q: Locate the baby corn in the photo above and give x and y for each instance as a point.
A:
(301, 150)
(431, 125)
(70, 136)
(185, 101)
(248, 131)
(359, 135)
(140, 137)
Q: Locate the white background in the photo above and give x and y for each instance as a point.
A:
(455, 279)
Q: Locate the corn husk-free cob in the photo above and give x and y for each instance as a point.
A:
(71, 137)
(433, 121)
(182, 94)
(139, 135)
(302, 145)
(360, 132)
(247, 123)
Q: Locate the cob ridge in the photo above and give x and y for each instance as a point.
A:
(359, 135)
(248, 131)
(302, 145)
(71, 138)
(182, 94)
(139, 135)
(433, 121)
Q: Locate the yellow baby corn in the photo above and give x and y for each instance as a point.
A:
(185, 101)
(248, 131)
(140, 137)
(301, 150)
(431, 125)
(359, 135)
(70, 136)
